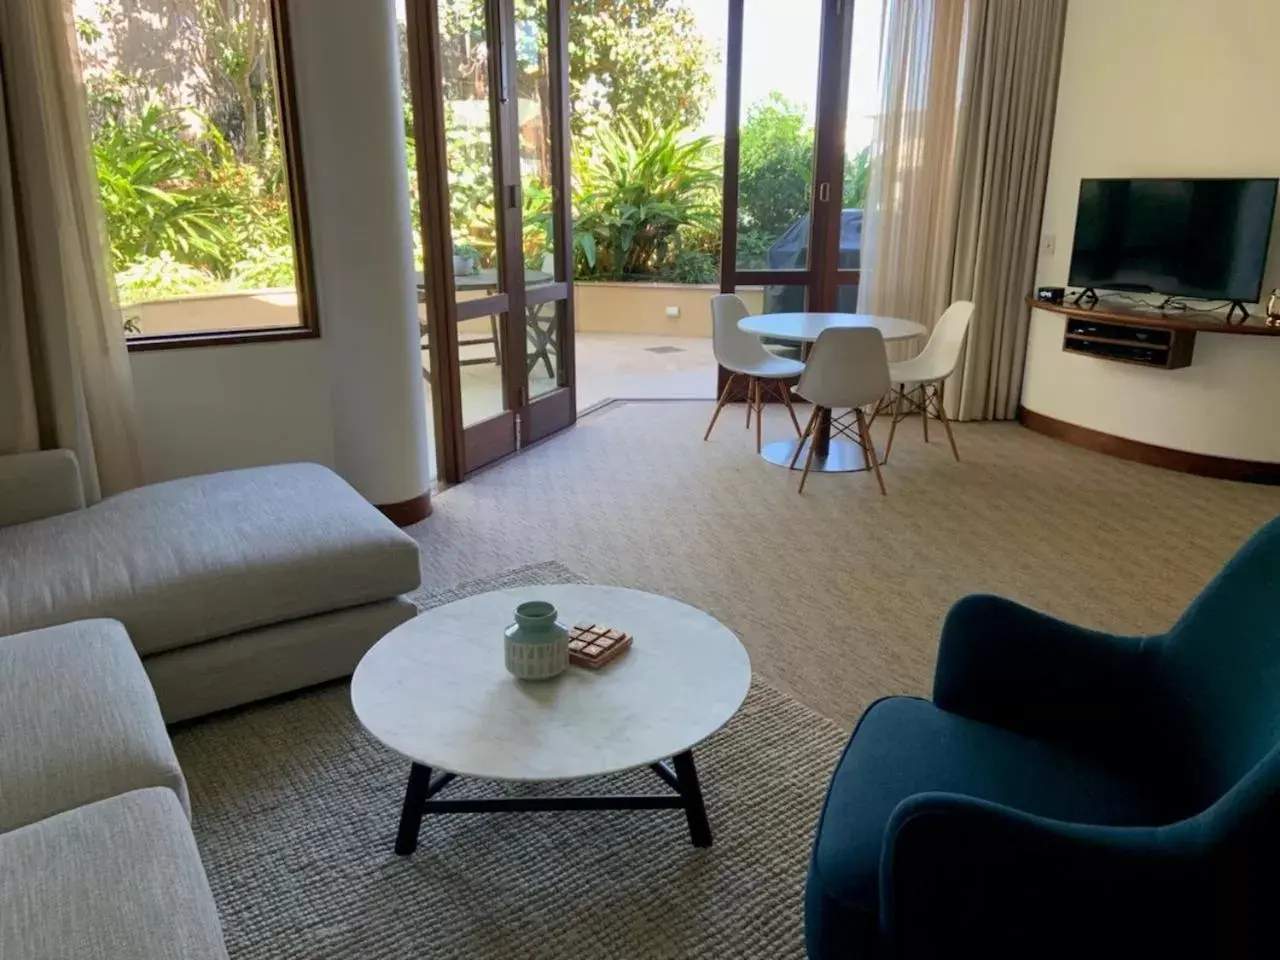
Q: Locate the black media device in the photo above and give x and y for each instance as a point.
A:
(1203, 239)
(1051, 294)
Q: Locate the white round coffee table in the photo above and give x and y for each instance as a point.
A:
(436, 691)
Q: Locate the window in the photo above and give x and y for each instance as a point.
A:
(190, 110)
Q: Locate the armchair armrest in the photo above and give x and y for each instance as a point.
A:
(963, 877)
(1008, 665)
(38, 485)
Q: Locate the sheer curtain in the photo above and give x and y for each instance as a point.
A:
(960, 158)
(909, 220)
(64, 370)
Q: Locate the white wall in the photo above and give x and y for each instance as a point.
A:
(1163, 88)
(218, 408)
(352, 399)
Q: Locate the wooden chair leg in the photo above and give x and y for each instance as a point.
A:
(869, 450)
(864, 436)
(898, 414)
(806, 432)
(751, 384)
(759, 412)
(883, 404)
(497, 343)
(786, 398)
(924, 411)
(724, 398)
(939, 397)
(808, 462)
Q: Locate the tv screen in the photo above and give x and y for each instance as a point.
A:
(1205, 239)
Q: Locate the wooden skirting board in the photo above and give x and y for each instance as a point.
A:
(1204, 465)
(407, 512)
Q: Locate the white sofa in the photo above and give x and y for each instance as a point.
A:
(233, 586)
(97, 858)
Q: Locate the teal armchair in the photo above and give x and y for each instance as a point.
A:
(1067, 793)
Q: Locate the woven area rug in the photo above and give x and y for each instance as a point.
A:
(295, 811)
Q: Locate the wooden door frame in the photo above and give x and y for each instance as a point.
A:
(730, 276)
(834, 66)
(558, 409)
(460, 449)
(821, 276)
(422, 28)
(508, 203)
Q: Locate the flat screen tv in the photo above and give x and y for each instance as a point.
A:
(1203, 239)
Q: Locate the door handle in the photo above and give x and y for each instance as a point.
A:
(504, 79)
(824, 193)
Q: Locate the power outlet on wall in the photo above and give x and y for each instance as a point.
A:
(1048, 245)
(673, 313)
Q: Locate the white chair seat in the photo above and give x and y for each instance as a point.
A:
(744, 355)
(847, 369)
(922, 380)
(916, 370)
(772, 367)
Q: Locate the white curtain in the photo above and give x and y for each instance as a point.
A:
(64, 370)
(960, 159)
(911, 197)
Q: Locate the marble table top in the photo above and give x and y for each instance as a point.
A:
(806, 327)
(436, 689)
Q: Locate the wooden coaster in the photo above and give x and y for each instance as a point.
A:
(595, 644)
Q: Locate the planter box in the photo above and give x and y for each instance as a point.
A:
(206, 313)
(639, 308)
(642, 307)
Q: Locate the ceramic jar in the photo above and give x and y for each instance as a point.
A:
(537, 648)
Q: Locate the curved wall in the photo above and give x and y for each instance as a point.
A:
(347, 64)
(1153, 88)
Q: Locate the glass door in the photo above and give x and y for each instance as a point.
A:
(538, 60)
(497, 300)
(786, 91)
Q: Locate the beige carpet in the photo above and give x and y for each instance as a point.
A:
(839, 594)
(295, 809)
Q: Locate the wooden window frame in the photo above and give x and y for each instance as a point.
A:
(299, 216)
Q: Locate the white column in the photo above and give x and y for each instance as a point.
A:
(351, 121)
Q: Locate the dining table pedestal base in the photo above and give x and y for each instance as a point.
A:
(843, 456)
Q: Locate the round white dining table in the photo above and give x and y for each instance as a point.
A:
(805, 327)
(831, 455)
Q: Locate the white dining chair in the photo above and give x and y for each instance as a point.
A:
(921, 381)
(744, 356)
(848, 367)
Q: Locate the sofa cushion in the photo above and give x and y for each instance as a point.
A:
(120, 878)
(262, 663)
(903, 747)
(204, 557)
(41, 484)
(78, 722)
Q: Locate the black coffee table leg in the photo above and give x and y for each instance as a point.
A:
(691, 791)
(681, 776)
(415, 798)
